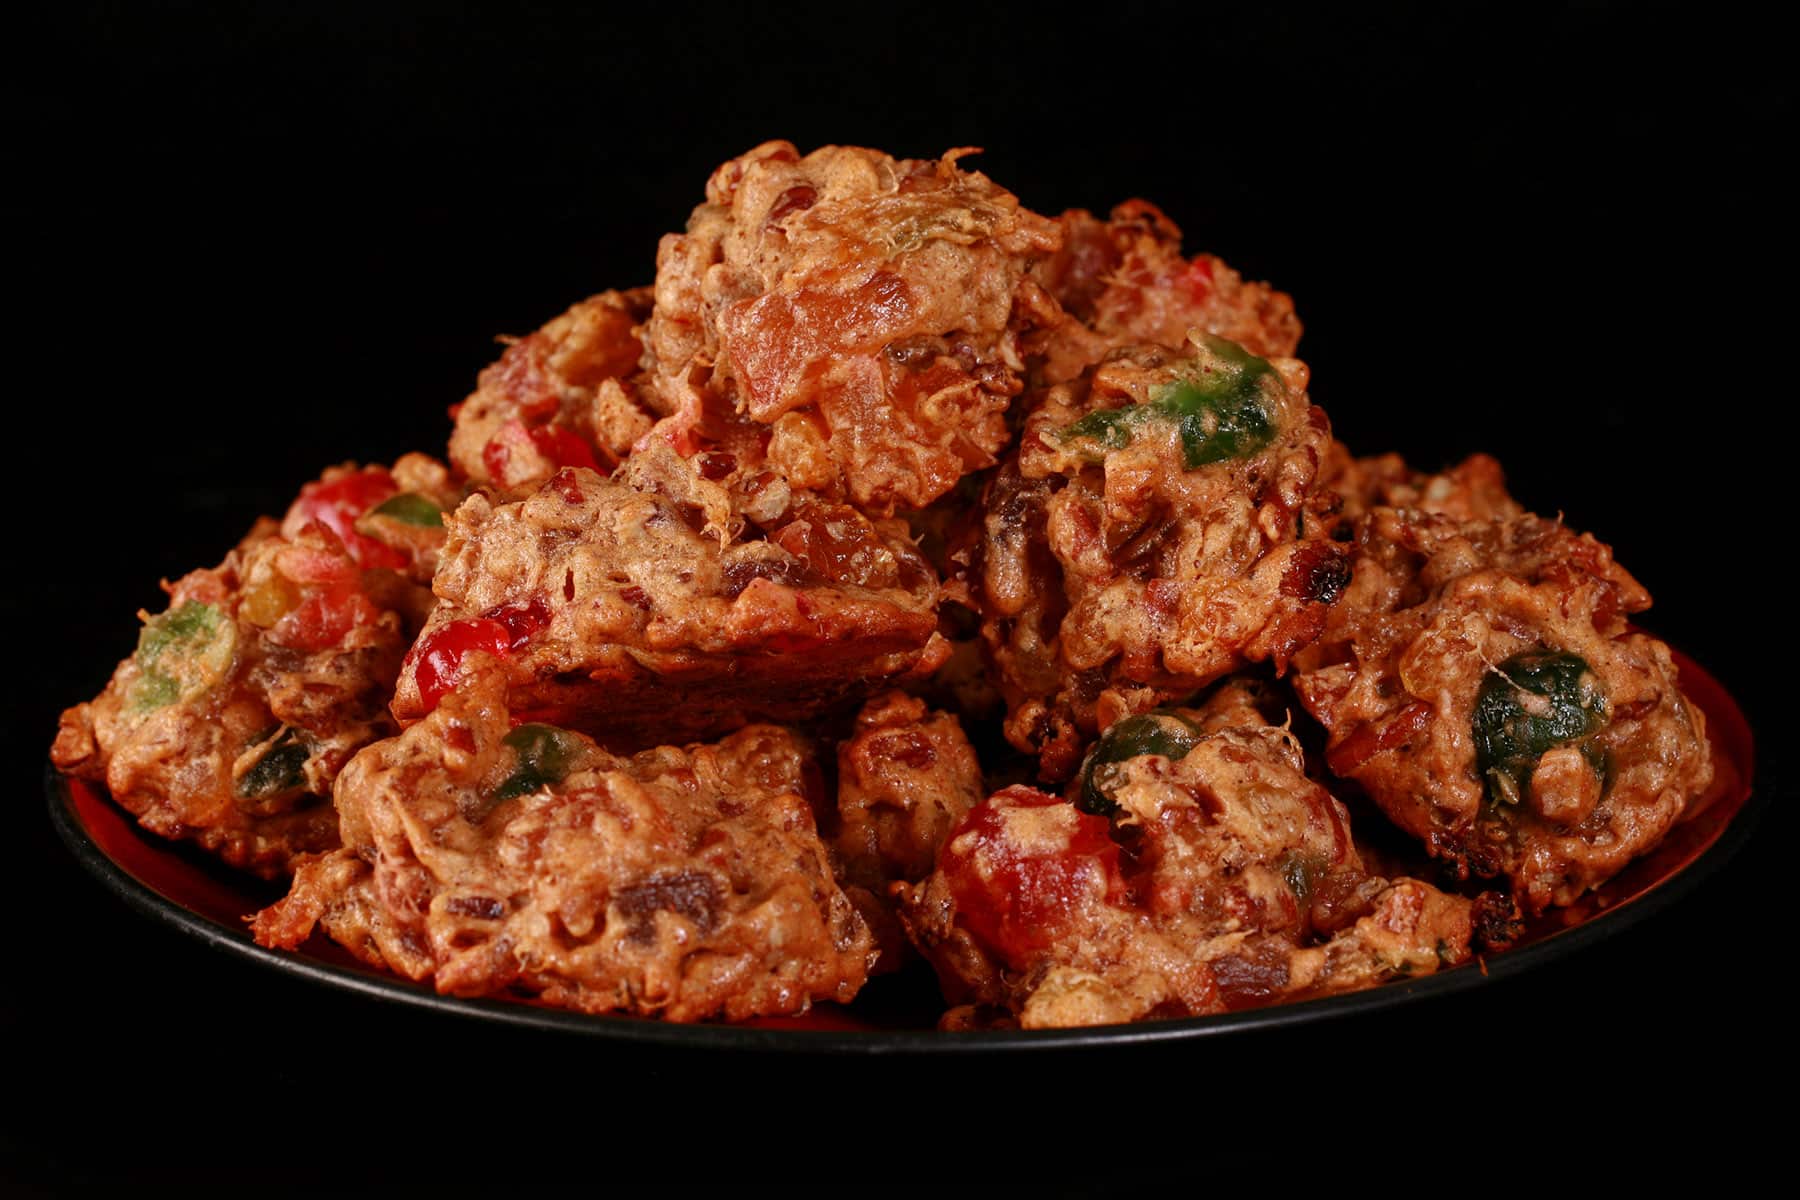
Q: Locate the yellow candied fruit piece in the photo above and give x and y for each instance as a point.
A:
(268, 600)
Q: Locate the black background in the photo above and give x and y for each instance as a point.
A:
(254, 240)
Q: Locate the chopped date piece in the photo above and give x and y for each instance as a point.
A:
(840, 546)
(1320, 572)
(739, 573)
(482, 908)
(715, 465)
(693, 895)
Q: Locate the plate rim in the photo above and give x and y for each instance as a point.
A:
(147, 901)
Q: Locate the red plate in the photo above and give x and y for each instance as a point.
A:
(183, 887)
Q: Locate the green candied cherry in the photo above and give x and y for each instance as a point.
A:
(1535, 702)
(1301, 872)
(181, 653)
(1221, 413)
(281, 769)
(546, 755)
(1160, 732)
(410, 508)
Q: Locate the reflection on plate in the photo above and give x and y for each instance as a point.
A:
(187, 889)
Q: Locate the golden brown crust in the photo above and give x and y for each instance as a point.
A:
(267, 672)
(1224, 879)
(877, 426)
(866, 310)
(569, 394)
(625, 609)
(1124, 282)
(1472, 490)
(906, 776)
(687, 883)
(231, 737)
(1445, 595)
(355, 507)
(1116, 573)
